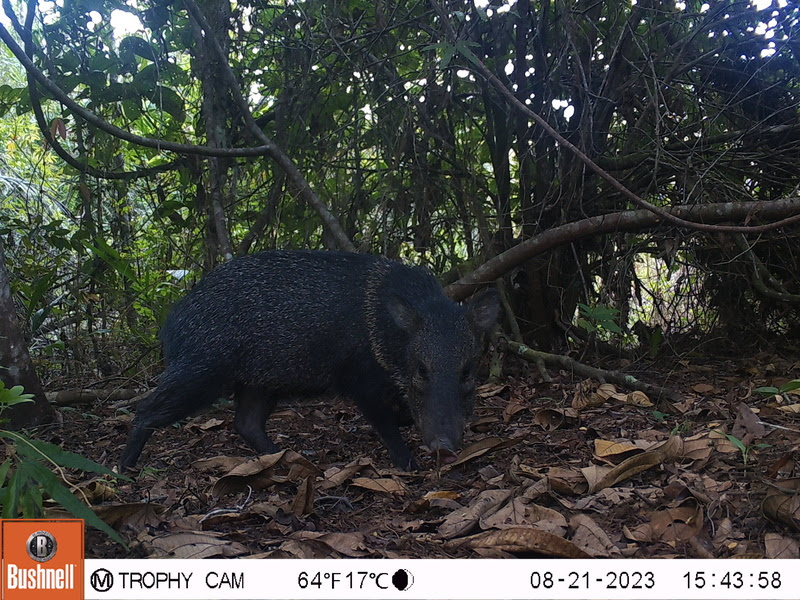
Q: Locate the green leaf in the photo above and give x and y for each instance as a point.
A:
(40, 450)
(39, 288)
(768, 390)
(170, 102)
(10, 501)
(790, 386)
(611, 326)
(30, 497)
(53, 486)
(132, 109)
(135, 46)
(605, 313)
(449, 53)
(736, 442)
(655, 342)
(4, 469)
(102, 250)
(15, 395)
(464, 48)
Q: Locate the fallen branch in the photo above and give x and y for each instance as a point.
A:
(74, 397)
(663, 396)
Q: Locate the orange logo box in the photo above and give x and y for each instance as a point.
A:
(41, 559)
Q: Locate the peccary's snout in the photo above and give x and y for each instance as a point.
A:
(443, 425)
(444, 450)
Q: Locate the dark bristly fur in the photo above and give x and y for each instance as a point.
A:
(299, 323)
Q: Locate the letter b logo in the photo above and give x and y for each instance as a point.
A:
(42, 546)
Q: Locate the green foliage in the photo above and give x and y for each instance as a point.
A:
(740, 445)
(416, 155)
(26, 475)
(655, 341)
(601, 319)
(13, 395)
(681, 428)
(789, 386)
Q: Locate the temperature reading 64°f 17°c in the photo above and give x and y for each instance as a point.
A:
(354, 580)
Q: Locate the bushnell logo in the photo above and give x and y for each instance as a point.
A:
(42, 546)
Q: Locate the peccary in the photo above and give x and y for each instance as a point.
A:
(298, 323)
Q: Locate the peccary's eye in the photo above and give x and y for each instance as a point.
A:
(422, 371)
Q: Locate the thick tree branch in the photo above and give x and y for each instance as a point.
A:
(633, 220)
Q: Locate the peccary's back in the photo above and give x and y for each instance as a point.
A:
(287, 319)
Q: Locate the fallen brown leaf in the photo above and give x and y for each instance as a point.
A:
(525, 540)
(779, 546)
(462, 521)
(384, 485)
(265, 471)
(192, 544)
(335, 477)
(136, 516)
(783, 507)
(747, 422)
(348, 544)
(490, 389)
(211, 424)
(669, 525)
(219, 463)
(566, 481)
(303, 503)
(481, 425)
(637, 398)
(521, 512)
(549, 419)
(703, 388)
(481, 447)
(591, 538)
(607, 448)
(666, 452)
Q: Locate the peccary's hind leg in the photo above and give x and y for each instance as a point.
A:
(175, 398)
(253, 406)
(136, 441)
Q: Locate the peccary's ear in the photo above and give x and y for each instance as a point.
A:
(402, 313)
(483, 310)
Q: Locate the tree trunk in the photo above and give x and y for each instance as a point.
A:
(216, 111)
(15, 362)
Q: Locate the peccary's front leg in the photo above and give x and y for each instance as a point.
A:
(371, 391)
(384, 422)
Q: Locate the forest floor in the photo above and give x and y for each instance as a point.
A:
(568, 468)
